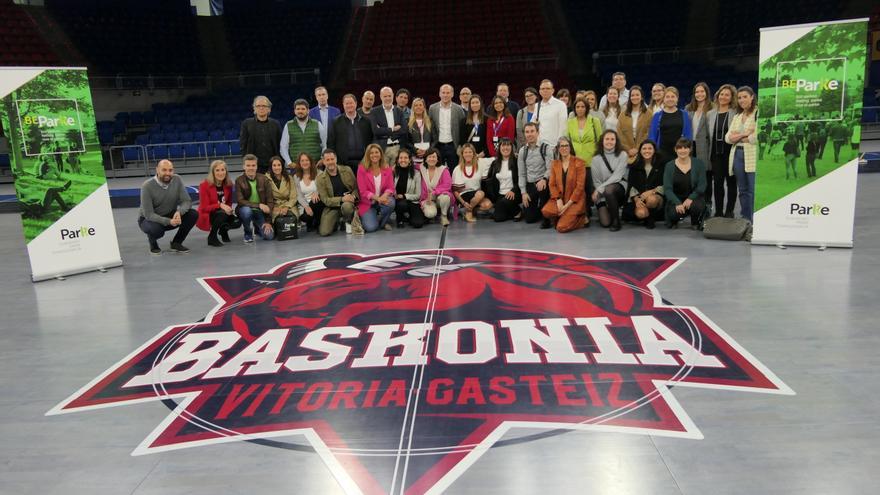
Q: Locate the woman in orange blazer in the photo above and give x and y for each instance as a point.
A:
(568, 203)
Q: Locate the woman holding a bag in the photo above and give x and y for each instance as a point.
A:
(284, 192)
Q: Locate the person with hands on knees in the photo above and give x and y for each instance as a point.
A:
(609, 173)
(337, 187)
(165, 205)
(645, 191)
(533, 163)
(376, 190)
(253, 193)
(502, 184)
(567, 205)
(436, 188)
(467, 179)
(215, 204)
(684, 182)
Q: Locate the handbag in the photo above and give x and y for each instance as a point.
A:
(286, 227)
(727, 229)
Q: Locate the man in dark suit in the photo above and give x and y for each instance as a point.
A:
(323, 112)
(503, 90)
(448, 119)
(349, 134)
(389, 128)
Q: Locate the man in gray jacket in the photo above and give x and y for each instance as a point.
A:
(165, 205)
(448, 119)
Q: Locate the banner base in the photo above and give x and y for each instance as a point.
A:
(60, 276)
(786, 244)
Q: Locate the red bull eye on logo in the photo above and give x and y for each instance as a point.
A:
(401, 369)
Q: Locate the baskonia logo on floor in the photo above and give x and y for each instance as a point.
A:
(401, 369)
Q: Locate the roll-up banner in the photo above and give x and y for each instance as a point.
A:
(811, 79)
(58, 170)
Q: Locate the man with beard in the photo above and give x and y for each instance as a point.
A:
(165, 205)
(302, 135)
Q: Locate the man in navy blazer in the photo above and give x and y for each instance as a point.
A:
(323, 112)
(389, 127)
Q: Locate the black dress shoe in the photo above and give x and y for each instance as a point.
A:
(545, 224)
(649, 223)
(614, 227)
(179, 247)
(213, 241)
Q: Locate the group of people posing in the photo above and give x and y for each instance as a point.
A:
(550, 161)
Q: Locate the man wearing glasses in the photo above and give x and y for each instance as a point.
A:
(550, 114)
(260, 135)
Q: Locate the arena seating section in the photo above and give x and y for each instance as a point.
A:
(741, 22)
(18, 37)
(267, 34)
(132, 36)
(403, 31)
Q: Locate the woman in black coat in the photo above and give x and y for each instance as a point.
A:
(645, 186)
(502, 183)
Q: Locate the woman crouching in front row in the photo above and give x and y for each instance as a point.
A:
(567, 206)
(684, 182)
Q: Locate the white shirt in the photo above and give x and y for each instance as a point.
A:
(377, 182)
(305, 191)
(471, 183)
(611, 120)
(505, 178)
(445, 125)
(635, 117)
(695, 121)
(389, 117)
(552, 117)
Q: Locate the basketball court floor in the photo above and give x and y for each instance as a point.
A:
(494, 358)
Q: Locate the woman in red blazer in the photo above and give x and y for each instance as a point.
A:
(215, 204)
(375, 190)
(501, 124)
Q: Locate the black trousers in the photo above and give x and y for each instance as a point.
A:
(537, 200)
(613, 197)
(696, 212)
(448, 155)
(353, 164)
(407, 210)
(811, 165)
(314, 220)
(155, 230)
(221, 221)
(505, 209)
(720, 178)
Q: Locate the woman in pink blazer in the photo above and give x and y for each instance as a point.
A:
(375, 189)
(436, 188)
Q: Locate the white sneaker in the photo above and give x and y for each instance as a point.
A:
(348, 227)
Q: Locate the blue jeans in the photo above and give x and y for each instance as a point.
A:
(745, 184)
(377, 216)
(254, 216)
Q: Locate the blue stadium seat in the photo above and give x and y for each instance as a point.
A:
(194, 151)
(132, 154)
(231, 134)
(186, 137)
(221, 149)
(135, 118)
(176, 151)
(200, 136)
(234, 148)
(157, 137)
(142, 139)
(158, 152)
(216, 135)
(172, 137)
